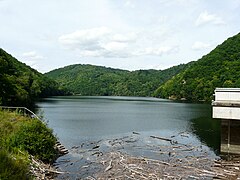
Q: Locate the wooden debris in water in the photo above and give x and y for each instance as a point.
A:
(173, 160)
(41, 170)
(122, 166)
(136, 133)
(165, 139)
(161, 138)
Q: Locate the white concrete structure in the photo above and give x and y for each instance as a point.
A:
(227, 94)
(227, 108)
(227, 103)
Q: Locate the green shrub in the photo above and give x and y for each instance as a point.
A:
(36, 138)
(12, 167)
(20, 137)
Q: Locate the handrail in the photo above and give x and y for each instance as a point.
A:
(24, 108)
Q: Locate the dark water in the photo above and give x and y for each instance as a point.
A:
(77, 119)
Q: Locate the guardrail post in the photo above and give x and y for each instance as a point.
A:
(23, 110)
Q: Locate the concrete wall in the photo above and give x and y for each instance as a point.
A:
(230, 136)
(226, 113)
(226, 107)
(227, 94)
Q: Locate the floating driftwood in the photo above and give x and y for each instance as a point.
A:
(124, 166)
(41, 170)
(165, 139)
(109, 166)
(170, 161)
(136, 133)
(161, 138)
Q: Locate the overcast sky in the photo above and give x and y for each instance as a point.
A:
(126, 34)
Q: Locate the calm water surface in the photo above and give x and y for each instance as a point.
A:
(77, 120)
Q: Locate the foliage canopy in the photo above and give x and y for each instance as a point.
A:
(101, 81)
(20, 85)
(219, 68)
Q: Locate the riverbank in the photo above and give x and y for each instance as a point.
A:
(27, 146)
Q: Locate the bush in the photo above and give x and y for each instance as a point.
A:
(34, 137)
(13, 167)
(20, 137)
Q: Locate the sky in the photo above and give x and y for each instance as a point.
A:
(125, 34)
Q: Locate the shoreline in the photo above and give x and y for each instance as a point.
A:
(27, 147)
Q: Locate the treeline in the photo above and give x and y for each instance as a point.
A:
(20, 85)
(220, 68)
(101, 81)
(195, 81)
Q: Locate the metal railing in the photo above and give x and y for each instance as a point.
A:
(23, 110)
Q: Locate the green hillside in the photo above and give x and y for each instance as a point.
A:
(101, 81)
(20, 85)
(219, 68)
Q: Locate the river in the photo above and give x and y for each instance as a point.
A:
(81, 119)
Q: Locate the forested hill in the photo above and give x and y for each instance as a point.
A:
(195, 81)
(101, 81)
(219, 68)
(20, 85)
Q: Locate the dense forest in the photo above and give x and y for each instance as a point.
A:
(20, 85)
(195, 81)
(219, 68)
(101, 81)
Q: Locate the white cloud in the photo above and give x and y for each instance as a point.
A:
(104, 42)
(206, 17)
(139, 29)
(88, 53)
(32, 55)
(87, 39)
(31, 59)
(114, 46)
(124, 37)
(200, 45)
(97, 42)
(159, 51)
(129, 4)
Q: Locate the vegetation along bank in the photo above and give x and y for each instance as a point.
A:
(24, 141)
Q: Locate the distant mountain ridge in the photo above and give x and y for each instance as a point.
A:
(20, 85)
(101, 81)
(194, 81)
(219, 68)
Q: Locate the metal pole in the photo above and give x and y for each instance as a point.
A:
(229, 133)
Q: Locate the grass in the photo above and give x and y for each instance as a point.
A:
(20, 137)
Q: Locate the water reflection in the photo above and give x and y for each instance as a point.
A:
(76, 119)
(208, 131)
(108, 123)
